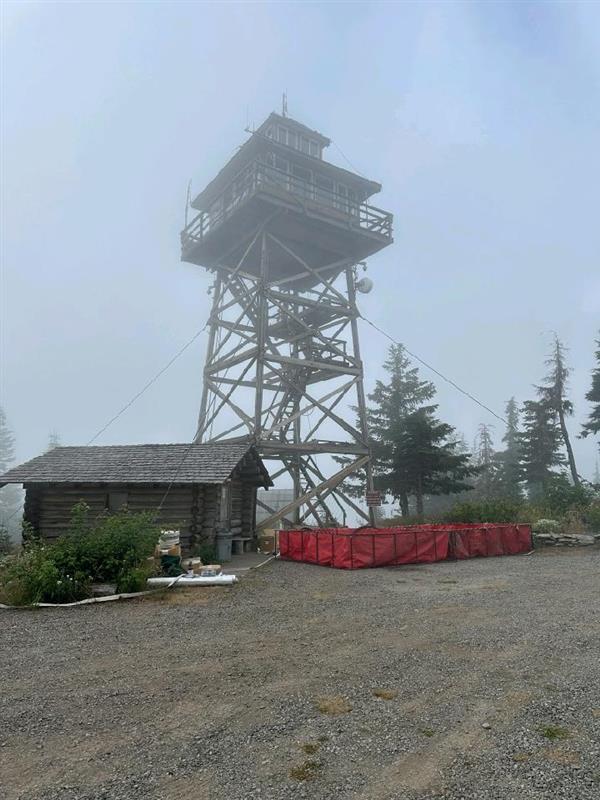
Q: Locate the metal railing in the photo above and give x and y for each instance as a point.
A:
(258, 176)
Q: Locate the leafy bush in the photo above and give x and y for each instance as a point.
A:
(134, 579)
(592, 516)
(33, 577)
(108, 547)
(6, 544)
(546, 526)
(560, 496)
(485, 511)
(206, 551)
(112, 548)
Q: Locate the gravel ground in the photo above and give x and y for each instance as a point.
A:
(487, 671)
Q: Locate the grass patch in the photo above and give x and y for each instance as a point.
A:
(310, 747)
(521, 757)
(307, 771)
(427, 732)
(323, 738)
(554, 732)
(567, 758)
(385, 694)
(447, 580)
(333, 705)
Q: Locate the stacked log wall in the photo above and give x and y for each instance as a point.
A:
(194, 509)
(49, 508)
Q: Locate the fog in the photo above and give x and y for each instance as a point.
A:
(480, 120)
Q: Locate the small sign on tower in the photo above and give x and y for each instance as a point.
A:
(373, 498)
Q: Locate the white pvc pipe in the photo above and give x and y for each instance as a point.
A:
(197, 580)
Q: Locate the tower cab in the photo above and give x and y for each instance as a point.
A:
(278, 180)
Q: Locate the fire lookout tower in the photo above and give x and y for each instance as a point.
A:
(283, 231)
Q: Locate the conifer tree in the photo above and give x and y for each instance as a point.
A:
(10, 495)
(540, 442)
(554, 395)
(509, 459)
(7, 444)
(414, 453)
(592, 426)
(486, 461)
(391, 404)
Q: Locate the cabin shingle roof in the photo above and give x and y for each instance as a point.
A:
(141, 463)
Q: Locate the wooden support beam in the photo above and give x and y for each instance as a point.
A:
(333, 481)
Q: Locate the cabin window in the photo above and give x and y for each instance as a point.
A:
(302, 183)
(279, 174)
(300, 172)
(314, 149)
(304, 144)
(352, 202)
(116, 501)
(324, 189)
(270, 132)
(341, 199)
(278, 162)
(282, 135)
(292, 139)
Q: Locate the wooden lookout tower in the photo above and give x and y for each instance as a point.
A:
(283, 231)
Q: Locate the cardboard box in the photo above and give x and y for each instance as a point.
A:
(268, 541)
(210, 570)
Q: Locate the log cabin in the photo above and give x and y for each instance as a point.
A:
(198, 489)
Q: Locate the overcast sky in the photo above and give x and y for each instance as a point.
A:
(481, 120)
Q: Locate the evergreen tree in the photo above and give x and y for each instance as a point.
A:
(7, 444)
(486, 461)
(592, 426)
(391, 404)
(11, 497)
(509, 460)
(540, 442)
(554, 395)
(426, 457)
(414, 453)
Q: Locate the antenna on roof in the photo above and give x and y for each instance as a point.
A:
(284, 104)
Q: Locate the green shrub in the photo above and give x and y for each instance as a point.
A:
(573, 520)
(6, 545)
(560, 496)
(135, 579)
(33, 577)
(206, 551)
(592, 516)
(546, 526)
(107, 547)
(485, 511)
(110, 548)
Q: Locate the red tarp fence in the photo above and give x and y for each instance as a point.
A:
(360, 548)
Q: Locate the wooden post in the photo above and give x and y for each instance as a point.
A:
(360, 389)
(209, 356)
(262, 310)
(225, 507)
